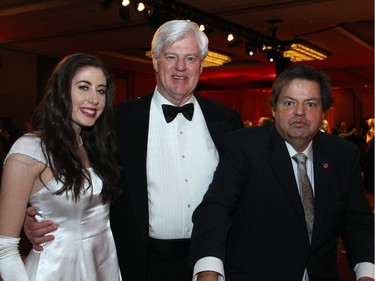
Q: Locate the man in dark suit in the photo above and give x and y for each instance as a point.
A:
(251, 224)
(168, 161)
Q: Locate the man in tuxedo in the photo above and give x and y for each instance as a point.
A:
(260, 220)
(168, 160)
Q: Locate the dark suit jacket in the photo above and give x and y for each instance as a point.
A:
(252, 216)
(129, 218)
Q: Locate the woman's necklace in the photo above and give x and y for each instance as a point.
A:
(80, 142)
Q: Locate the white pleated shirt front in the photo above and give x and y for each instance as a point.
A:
(181, 160)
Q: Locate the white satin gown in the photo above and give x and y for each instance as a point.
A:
(84, 248)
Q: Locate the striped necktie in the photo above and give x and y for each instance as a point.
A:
(307, 196)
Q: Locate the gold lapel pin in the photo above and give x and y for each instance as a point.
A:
(325, 165)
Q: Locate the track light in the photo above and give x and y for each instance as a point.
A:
(141, 7)
(230, 37)
(157, 12)
(250, 49)
(273, 55)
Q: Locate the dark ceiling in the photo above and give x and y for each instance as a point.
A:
(344, 28)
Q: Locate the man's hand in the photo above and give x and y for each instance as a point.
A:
(36, 231)
(208, 276)
(365, 279)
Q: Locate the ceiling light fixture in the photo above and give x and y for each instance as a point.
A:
(212, 59)
(141, 7)
(160, 11)
(250, 48)
(302, 51)
(216, 59)
(230, 37)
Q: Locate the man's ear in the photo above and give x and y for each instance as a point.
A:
(155, 62)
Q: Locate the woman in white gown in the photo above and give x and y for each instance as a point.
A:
(67, 169)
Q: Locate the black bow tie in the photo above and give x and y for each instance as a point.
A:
(170, 111)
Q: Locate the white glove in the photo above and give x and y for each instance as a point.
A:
(11, 264)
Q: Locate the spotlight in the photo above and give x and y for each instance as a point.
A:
(230, 37)
(202, 27)
(273, 55)
(250, 49)
(125, 3)
(141, 7)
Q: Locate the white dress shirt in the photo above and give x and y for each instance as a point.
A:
(181, 160)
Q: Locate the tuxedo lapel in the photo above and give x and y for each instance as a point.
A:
(217, 126)
(135, 146)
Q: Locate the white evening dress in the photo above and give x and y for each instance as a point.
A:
(83, 248)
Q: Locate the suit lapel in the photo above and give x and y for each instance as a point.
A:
(278, 156)
(322, 182)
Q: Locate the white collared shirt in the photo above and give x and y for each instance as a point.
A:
(309, 163)
(181, 160)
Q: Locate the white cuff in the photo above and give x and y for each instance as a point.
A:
(364, 269)
(209, 264)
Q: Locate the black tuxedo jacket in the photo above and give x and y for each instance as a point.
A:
(252, 216)
(129, 218)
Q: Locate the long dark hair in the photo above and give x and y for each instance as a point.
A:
(52, 120)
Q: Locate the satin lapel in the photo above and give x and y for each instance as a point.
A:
(322, 182)
(217, 127)
(280, 162)
(136, 141)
